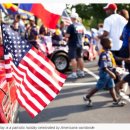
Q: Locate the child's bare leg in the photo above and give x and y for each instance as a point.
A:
(91, 92)
(113, 94)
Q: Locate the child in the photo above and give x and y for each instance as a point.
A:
(106, 75)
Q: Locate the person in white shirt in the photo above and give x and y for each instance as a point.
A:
(113, 27)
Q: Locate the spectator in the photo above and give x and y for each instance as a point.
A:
(57, 36)
(20, 22)
(15, 26)
(113, 26)
(32, 28)
(62, 28)
(74, 34)
(124, 13)
(105, 73)
(125, 49)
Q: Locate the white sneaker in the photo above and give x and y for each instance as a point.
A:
(88, 101)
(73, 75)
(119, 103)
(80, 73)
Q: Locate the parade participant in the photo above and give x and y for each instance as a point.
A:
(33, 26)
(74, 34)
(125, 49)
(106, 75)
(113, 26)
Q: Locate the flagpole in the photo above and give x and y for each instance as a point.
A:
(8, 84)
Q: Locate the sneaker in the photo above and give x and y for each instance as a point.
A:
(119, 103)
(88, 100)
(73, 76)
(80, 73)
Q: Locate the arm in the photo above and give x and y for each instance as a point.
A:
(110, 73)
(105, 34)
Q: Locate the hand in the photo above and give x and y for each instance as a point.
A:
(113, 75)
(127, 60)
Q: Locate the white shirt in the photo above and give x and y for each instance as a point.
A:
(114, 24)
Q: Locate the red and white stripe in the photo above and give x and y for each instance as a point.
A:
(38, 81)
(49, 12)
(8, 68)
(66, 20)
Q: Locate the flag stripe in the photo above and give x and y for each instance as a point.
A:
(46, 72)
(39, 81)
(34, 89)
(23, 103)
(49, 77)
(29, 99)
(45, 61)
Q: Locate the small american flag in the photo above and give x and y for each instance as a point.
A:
(37, 80)
(66, 18)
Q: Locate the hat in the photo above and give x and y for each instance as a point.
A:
(110, 6)
(74, 15)
(32, 18)
(24, 16)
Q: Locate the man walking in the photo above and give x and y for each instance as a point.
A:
(74, 35)
(113, 27)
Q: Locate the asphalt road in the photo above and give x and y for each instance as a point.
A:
(68, 106)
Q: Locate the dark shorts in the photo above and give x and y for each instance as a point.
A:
(105, 81)
(75, 52)
(124, 53)
(127, 79)
(117, 54)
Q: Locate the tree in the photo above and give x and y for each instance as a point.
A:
(93, 14)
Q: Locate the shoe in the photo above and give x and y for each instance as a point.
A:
(88, 100)
(80, 73)
(72, 76)
(119, 103)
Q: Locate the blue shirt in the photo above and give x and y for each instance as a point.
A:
(105, 60)
(125, 36)
(76, 33)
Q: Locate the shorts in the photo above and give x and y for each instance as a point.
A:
(127, 79)
(75, 52)
(124, 53)
(105, 81)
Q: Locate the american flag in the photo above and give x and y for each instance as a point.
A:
(37, 80)
(66, 18)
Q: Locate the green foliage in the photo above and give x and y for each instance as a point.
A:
(93, 14)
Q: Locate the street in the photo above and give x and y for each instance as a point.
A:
(69, 107)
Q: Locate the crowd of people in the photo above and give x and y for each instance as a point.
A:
(113, 36)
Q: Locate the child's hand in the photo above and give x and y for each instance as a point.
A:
(113, 75)
(127, 60)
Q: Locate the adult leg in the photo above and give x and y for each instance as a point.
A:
(80, 63)
(73, 62)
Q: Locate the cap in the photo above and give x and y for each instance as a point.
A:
(32, 18)
(110, 6)
(74, 15)
(24, 16)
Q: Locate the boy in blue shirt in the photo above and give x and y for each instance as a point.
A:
(106, 65)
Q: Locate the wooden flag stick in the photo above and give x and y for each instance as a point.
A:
(0, 16)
